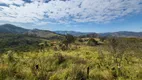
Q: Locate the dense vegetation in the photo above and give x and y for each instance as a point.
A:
(19, 42)
(72, 59)
(9, 28)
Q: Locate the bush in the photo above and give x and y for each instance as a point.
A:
(77, 73)
(80, 40)
(92, 42)
(60, 58)
(63, 47)
(68, 40)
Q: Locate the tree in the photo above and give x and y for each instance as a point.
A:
(68, 40)
(92, 42)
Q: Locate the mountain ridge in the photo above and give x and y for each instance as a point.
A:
(12, 29)
(106, 34)
(9, 28)
(122, 34)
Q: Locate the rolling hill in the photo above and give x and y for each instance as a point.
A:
(122, 34)
(12, 29)
(45, 34)
(74, 33)
(92, 34)
(9, 28)
(78, 34)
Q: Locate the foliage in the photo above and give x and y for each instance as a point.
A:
(68, 40)
(92, 42)
(18, 43)
(117, 59)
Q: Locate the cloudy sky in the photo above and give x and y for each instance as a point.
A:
(75, 15)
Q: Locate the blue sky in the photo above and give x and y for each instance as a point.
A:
(74, 15)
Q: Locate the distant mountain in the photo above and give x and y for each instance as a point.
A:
(122, 34)
(44, 34)
(12, 29)
(91, 34)
(78, 34)
(74, 33)
(8, 28)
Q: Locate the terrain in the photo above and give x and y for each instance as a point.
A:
(123, 34)
(9, 28)
(107, 34)
(45, 55)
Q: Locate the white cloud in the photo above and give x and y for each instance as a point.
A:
(42, 23)
(67, 11)
(10, 2)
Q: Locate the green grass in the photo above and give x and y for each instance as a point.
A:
(69, 65)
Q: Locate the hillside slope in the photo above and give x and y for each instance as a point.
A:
(45, 34)
(74, 33)
(12, 29)
(8, 28)
(122, 34)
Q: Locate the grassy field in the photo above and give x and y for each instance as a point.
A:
(79, 62)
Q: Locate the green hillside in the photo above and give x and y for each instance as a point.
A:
(115, 59)
(45, 34)
(9, 28)
(45, 55)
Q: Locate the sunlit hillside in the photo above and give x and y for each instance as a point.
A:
(70, 39)
(82, 60)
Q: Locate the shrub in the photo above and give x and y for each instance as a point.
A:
(63, 47)
(92, 42)
(68, 39)
(60, 58)
(80, 40)
(77, 73)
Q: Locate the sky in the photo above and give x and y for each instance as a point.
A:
(73, 15)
